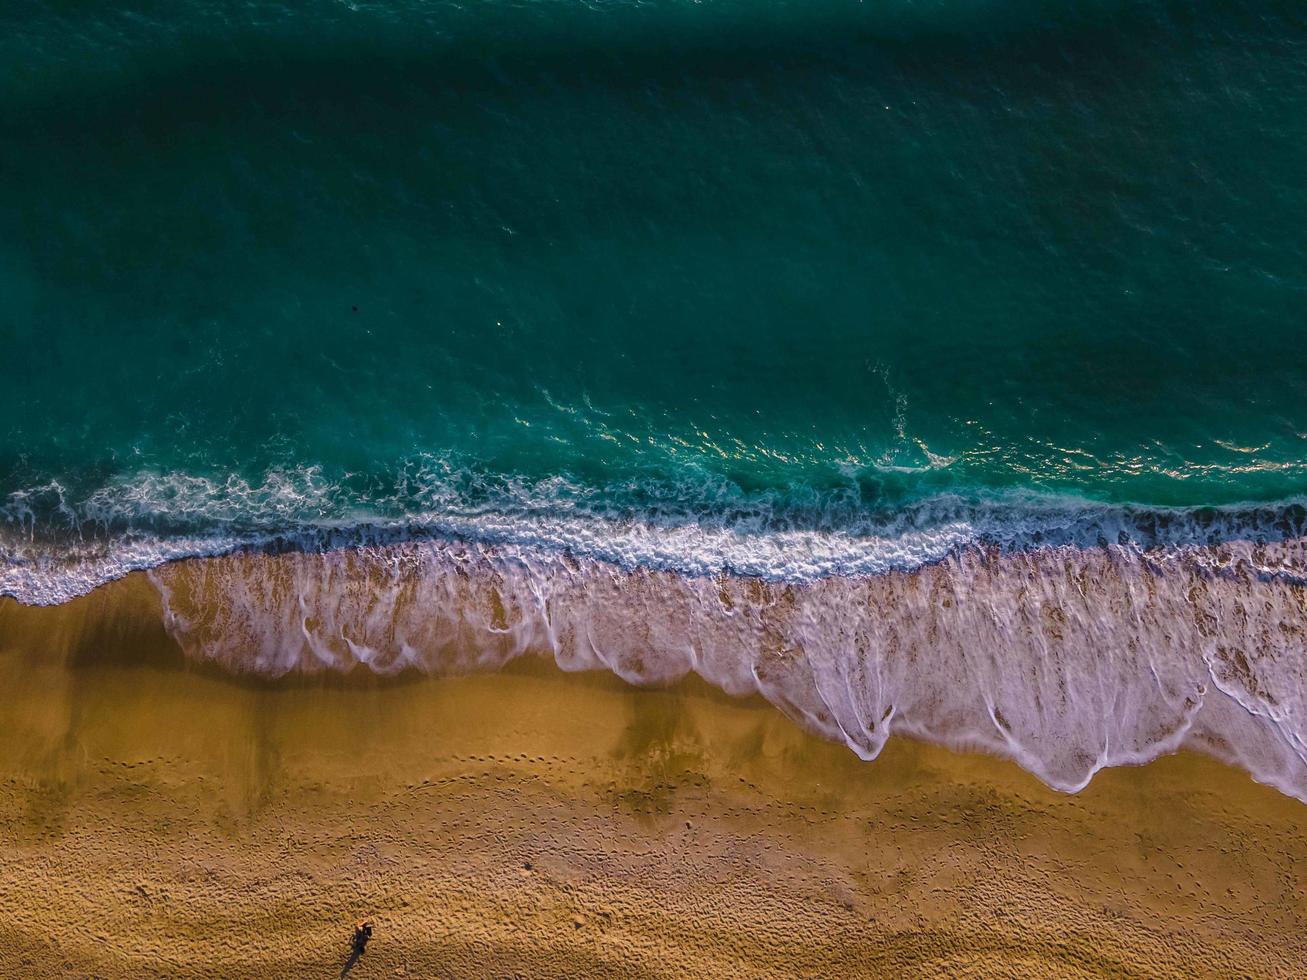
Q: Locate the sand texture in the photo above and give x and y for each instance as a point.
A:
(157, 819)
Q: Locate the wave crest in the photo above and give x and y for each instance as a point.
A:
(54, 548)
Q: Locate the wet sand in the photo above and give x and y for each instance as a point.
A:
(159, 819)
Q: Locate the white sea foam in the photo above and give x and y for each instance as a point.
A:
(1066, 635)
(1066, 660)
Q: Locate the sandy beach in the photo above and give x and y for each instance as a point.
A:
(160, 819)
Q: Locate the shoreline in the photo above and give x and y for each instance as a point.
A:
(1068, 661)
(158, 815)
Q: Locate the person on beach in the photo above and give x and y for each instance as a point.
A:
(362, 933)
(358, 944)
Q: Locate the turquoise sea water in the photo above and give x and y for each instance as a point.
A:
(750, 266)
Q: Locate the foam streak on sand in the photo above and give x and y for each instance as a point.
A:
(1065, 659)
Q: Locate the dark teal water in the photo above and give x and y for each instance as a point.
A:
(733, 264)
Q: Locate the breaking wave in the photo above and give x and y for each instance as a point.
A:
(54, 548)
(1064, 634)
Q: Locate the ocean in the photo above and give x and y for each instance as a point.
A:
(932, 367)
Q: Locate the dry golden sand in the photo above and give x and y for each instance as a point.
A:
(160, 820)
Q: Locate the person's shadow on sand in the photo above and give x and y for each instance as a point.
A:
(357, 946)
